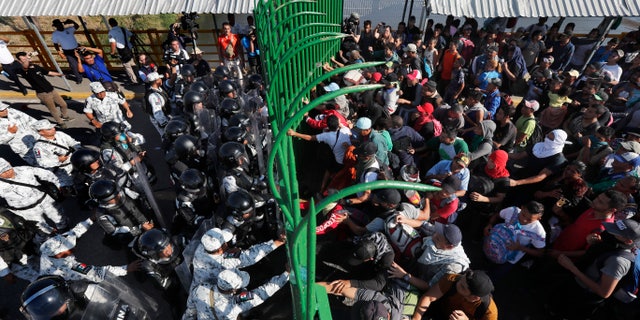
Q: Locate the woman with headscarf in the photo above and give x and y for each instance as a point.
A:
(488, 187)
(482, 143)
(544, 160)
(514, 70)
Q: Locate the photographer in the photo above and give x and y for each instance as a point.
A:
(119, 39)
(91, 63)
(175, 57)
(351, 26)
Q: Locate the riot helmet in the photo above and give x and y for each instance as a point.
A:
(235, 134)
(111, 129)
(226, 87)
(229, 107)
(176, 128)
(103, 190)
(193, 180)
(199, 86)
(185, 146)
(6, 225)
(155, 245)
(190, 99)
(221, 73)
(188, 70)
(83, 159)
(255, 82)
(240, 120)
(240, 205)
(47, 298)
(232, 154)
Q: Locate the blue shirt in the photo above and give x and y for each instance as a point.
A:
(97, 71)
(492, 103)
(444, 166)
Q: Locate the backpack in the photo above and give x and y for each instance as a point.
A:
(537, 135)
(495, 244)
(384, 172)
(437, 126)
(404, 239)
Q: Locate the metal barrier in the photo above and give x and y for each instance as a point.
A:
(296, 37)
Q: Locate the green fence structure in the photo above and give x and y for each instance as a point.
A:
(296, 38)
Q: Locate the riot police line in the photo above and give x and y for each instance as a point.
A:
(216, 138)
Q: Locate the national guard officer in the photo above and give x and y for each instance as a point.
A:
(157, 102)
(20, 187)
(116, 213)
(119, 147)
(16, 130)
(236, 164)
(228, 299)
(103, 106)
(176, 127)
(186, 153)
(160, 256)
(57, 258)
(194, 201)
(17, 247)
(52, 151)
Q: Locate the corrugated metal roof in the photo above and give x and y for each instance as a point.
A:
(15, 8)
(537, 8)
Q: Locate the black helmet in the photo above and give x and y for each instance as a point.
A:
(199, 86)
(188, 70)
(44, 298)
(175, 128)
(6, 224)
(103, 190)
(236, 134)
(221, 72)
(226, 86)
(185, 146)
(83, 158)
(240, 119)
(231, 154)
(192, 180)
(151, 244)
(111, 129)
(190, 98)
(229, 107)
(255, 81)
(240, 203)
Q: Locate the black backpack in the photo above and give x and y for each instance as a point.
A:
(537, 135)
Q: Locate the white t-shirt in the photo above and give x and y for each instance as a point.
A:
(65, 38)
(528, 234)
(5, 54)
(615, 70)
(337, 147)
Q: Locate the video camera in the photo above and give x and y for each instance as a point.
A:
(188, 21)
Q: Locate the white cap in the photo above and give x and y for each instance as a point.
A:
(57, 244)
(532, 104)
(215, 238)
(232, 279)
(153, 76)
(43, 125)
(4, 165)
(411, 48)
(97, 87)
(331, 87)
(363, 123)
(3, 106)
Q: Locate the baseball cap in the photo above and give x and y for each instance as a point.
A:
(631, 158)
(496, 81)
(631, 146)
(58, 243)
(43, 125)
(479, 283)
(620, 53)
(574, 73)
(391, 77)
(331, 87)
(377, 76)
(232, 279)
(4, 165)
(451, 184)
(431, 84)
(355, 15)
(411, 48)
(365, 250)
(3, 106)
(367, 149)
(463, 159)
(426, 107)
(413, 75)
(451, 232)
(96, 87)
(363, 123)
(387, 196)
(548, 59)
(373, 310)
(532, 104)
(214, 238)
(629, 229)
(153, 76)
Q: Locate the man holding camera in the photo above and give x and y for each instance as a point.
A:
(230, 50)
(63, 37)
(120, 45)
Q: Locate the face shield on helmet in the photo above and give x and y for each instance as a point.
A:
(232, 155)
(235, 134)
(156, 245)
(193, 181)
(103, 191)
(111, 129)
(193, 102)
(176, 128)
(240, 205)
(227, 89)
(186, 146)
(46, 299)
(221, 73)
(84, 160)
(229, 107)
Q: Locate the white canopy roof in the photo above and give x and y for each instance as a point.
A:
(536, 8)
(17, 8)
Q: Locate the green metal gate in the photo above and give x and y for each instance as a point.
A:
(296, 38)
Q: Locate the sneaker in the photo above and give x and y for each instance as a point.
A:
(24, 91)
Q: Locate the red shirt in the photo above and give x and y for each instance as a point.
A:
(322, 123)
(444, 209)
(224, 41)
(574, 236)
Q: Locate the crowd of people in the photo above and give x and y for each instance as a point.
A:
(547, 184)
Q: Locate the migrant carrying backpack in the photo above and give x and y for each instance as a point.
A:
(537, 135)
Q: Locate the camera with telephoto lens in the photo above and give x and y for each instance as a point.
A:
(81, 50)
(188, 21)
